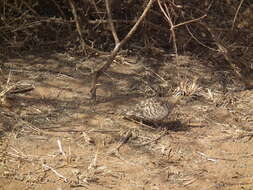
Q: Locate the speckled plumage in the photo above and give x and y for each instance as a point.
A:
(151, 110)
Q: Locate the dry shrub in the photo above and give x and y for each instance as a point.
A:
(28, 25)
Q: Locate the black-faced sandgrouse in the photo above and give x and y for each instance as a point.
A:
(153, 110)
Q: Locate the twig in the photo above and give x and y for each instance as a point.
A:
(96, 74)
(190, 21)
(197, 40)
(87, 139)
(6, 90)
(9, 77)
(168, 18)
(109, 13)
(236, 14)
(73, 9)
(140, 123)
(56, 173)
(206, 157)
(60, 9)
(93, 164)
(104, 21)
(62, 13)
(35, 12)
(30, 8)
(123, 141)
(99, 21)
(60, 148)
(156, 139)
(224, 51)
(19, 87)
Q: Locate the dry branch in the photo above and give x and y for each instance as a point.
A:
(236, 14)
(108, 9)
(78, 27)
(73, 9)
(172, 26)
(224, 51)
(168, 18)
(116, 49)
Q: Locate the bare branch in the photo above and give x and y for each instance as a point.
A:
(237, 11)
(78, 27)
(168, 18)
(114, 52)
(190, 21)
(109, 13)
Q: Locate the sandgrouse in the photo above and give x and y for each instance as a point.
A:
(153, 110)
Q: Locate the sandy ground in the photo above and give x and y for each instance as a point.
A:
(55, 137)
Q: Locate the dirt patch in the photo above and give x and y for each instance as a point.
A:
(55, 137)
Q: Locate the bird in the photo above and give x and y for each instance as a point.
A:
(154, 110)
